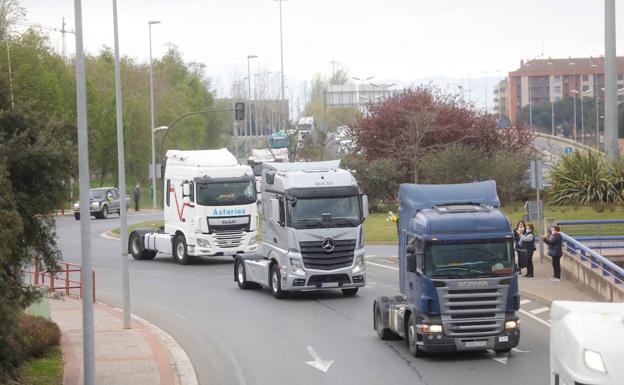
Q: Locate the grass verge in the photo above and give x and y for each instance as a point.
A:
(378, 230)
(47, 370)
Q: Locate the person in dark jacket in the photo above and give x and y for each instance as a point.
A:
(527, 242)
(518, 232)
(555, 242)
(136, 194)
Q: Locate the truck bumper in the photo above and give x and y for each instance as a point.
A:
(324, 280)
(204, 245)
(439, 343)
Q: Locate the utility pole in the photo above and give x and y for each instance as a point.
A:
(121, 166)
(611, 110)
(85, 215)
(63, 31)
(552, 100)
(281, 46)
(149, 23)
(574, 92)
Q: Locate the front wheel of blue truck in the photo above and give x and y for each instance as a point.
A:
(411, 336)
(382, 332)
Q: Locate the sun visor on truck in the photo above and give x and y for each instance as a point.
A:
(322, 192)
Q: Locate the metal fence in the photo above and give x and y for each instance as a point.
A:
(608, 269)
(67, 279)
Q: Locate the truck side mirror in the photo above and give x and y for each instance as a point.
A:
(365, 206)
(239, 111)
(410, 259)
(275, 210)
(258, 185)
(186, 189)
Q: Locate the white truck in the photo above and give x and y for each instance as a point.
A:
(312, 231)
(210, 209)
(586, 343)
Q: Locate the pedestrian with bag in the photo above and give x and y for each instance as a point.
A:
(555, 251)
(527, 242)
(519, 231)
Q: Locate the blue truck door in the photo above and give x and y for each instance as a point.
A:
(414, 262)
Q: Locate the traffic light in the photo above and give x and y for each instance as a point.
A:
(239, 111)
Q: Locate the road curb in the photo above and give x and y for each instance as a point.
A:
(110, 235)
(182, 365)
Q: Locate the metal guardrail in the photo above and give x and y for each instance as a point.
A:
(596, 261)
(62, 279)
(590, 222)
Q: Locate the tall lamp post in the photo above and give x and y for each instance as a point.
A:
(529, 94)
(574, 92)
(249, 57)
(611, 92)
(150, 23)
(552, 99)
(596, 100)
(281, 47)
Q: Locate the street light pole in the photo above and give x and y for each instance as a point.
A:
(249, 57)
(552, 100)
(596, 100)
(574, 96)
(529, 94)
(121, 167)
(149, 23)
(88, 337)
(281, 46)
(611, 109)
(500, 105)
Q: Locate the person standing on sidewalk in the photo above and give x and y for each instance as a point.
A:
(519, 231)
(136, 194)
(527, 242)
(555, 250)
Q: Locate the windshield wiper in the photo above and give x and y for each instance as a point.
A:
(315, 220)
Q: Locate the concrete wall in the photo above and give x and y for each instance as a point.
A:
(581, 274)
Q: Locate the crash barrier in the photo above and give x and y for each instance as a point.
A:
(67, 279)
(586, 267)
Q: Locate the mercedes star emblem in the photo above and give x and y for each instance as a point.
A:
(328, 245)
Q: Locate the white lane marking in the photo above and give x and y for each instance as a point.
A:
(525, 301)
(380, 265)
(540, 310)
(318, 363)
(498, 357)
(534, 317)
(106, 235)
(520, 351)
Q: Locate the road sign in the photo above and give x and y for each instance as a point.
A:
(568, 150)
(152, 169)
(537, 179)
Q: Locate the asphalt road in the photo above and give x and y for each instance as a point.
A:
(247, 337)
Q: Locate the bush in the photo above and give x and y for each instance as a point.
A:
(38, 336)
(586, 178)
(379, 179)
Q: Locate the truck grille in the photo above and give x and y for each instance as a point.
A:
(319, 279)
(473, 312)
(227, 239)
(314, 257)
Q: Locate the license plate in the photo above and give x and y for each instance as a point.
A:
(229, 252)
(503, 339)
(329, 284)
(475, 344)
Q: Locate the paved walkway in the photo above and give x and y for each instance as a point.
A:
(541, 288)
(141, 355)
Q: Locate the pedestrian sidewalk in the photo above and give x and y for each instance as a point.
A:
(142, 355)
(542, 289)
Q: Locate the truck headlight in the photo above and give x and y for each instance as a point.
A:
(429, 328)
(359, 264)
(252, 241)
(296, 266)
(203, 243)
(95, 205)
(361, 237)
(511, 325)
(594, 361)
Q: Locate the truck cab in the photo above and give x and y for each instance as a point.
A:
(210, 208)
(312, 231)
(456, 272)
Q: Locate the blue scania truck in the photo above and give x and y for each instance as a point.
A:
(457, 274)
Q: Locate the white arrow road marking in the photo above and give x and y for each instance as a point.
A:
(318, 363)
(498, 357)
(525, 301)
(380, 265)
(520, 351)
(540, 310)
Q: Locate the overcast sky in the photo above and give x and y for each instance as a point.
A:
(392, 39)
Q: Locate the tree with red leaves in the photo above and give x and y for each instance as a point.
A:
(422, 120)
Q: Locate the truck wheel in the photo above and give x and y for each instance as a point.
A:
(412, 338)
(382, 333)
(77, 216)
(241, 276)
(180, 252)
(350, 292)
(276, 283)
(135, 246)
(104, 214)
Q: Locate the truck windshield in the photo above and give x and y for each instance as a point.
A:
(226, 193)
(325, 212)
(97, 194)
(469, 259)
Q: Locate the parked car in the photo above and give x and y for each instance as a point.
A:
(103, 201)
